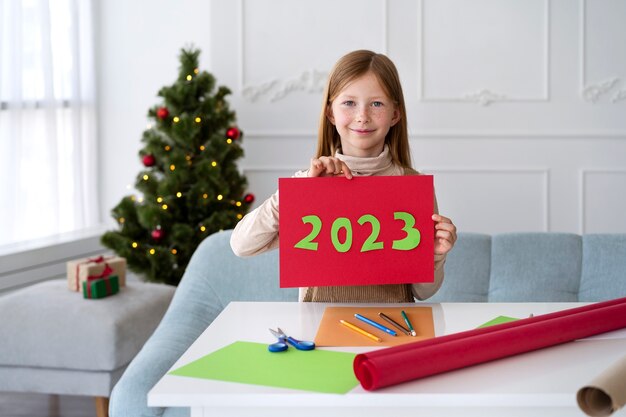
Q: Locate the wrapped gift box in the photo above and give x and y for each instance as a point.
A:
(80, 269)
(101, 287)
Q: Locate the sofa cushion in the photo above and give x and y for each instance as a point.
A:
(604, 267)
(253, 278)
(467, 268)
(48, 326)
(529, 267)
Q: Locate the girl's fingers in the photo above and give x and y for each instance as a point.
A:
(441, 219)
(330, 168)
(346, 171)
(321, 166)
(445, 226)
(327, 166)
(445, 238)
(316, 168)
(445, 230)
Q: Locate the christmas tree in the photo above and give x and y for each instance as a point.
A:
(190, 187)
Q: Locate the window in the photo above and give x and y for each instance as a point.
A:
(47, 119)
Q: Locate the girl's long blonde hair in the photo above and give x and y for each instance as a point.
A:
(347, 69)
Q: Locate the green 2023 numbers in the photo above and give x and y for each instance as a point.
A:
(410, 241)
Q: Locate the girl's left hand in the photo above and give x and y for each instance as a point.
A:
(445, 234)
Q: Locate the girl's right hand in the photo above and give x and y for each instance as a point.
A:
(327, 166)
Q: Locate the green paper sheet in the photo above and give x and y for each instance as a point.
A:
(251, 363)
(498, 320)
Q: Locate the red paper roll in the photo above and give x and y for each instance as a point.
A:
(416, 360)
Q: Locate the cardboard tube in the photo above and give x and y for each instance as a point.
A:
(606, 393)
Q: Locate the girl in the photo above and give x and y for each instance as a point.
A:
(362, 131)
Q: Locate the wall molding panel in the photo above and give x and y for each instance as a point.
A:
(593, 92)
(609, 213)
(522, 200)
(311, 80)
(483, 97)
(486, 95)
(611, 86)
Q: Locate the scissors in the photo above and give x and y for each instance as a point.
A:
(283, 339)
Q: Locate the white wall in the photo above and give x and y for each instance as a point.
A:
(516, 106)
(138, 46)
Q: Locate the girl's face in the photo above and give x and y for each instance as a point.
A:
(363, 114)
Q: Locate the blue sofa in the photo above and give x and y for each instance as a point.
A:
(481, 268)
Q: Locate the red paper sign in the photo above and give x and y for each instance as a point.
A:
(363, 231)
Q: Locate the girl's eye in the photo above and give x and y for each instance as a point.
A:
(348, 103)
(377, 104)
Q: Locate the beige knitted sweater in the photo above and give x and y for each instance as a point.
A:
(257, 232)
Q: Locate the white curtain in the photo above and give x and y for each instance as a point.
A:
(47, 119)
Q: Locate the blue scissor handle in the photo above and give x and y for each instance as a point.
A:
(277, 347)
(283, 339)
(301, 344)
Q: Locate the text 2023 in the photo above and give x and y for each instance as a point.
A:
(409, 242)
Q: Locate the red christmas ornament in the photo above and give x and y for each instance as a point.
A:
(162, 113)
(157, 234)
(149, 160)
(249, 198)
(233, 133)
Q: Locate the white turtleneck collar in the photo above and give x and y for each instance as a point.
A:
(377, 165)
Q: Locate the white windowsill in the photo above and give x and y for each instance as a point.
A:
(29, 262)
(34, 244)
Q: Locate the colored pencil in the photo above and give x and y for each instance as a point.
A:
(360, 331)
(394, 323)
(408, 323)
(375, 324)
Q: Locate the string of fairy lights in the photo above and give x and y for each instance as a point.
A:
(165, 202)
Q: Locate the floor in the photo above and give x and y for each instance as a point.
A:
(42, 405)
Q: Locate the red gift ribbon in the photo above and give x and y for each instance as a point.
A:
(97, 260)
(104, 275)
(415, 360)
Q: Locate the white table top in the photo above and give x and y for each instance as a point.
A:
(540, 383)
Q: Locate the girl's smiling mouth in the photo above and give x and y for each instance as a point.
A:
(363, 131)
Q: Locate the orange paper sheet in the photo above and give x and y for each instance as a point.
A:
(333, 333)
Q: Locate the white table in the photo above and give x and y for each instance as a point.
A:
(541, 383)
